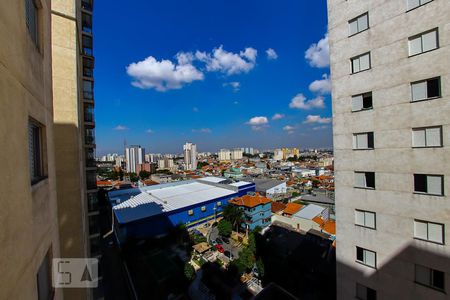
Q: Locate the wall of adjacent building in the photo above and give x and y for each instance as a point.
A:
(28, 216)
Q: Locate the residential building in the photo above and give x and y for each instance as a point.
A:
(190, 156)
(134, 155)
(29, 215)
(290, 152)
(152, 210)
(236, 154)
(224, 155)
(278, 154)
(390, 71)
(165, 164)
(256, 208)
(74, 127)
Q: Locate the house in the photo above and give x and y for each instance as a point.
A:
(257, 210)
(278, 207)
(291, 209)
(269, 187)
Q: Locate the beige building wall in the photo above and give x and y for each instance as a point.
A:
(28, 214)
(393, 159)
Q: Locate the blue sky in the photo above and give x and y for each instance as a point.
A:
(168, 72)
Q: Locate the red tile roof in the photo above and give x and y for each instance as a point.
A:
(292, 208)
(328, 226)
(250, 201)
(278, 206)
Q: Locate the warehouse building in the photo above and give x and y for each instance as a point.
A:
(153, 210)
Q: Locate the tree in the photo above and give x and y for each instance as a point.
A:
(224, 228)
(189, 271)
(245, 261)
(144, 174)
(260, 266)
(133, 177)
(201, 164)
(234, 215)
(251, 242)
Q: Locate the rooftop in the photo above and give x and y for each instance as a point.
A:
(292, 208)
(309, 212)
(278, 206)
(250, 201)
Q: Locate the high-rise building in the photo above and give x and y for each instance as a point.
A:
(29, 215)
(278, 154)
(236, 154)
(390, 70)
(73, 109)
(190, 156)
(134, 155)
(224, 154)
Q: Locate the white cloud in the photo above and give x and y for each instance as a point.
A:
(320, 127)
(271, 54)
(164, 75)
(258, 123)
(277, 117)
(288, 128)
(235, 85)
(202, 130)
(318, 55)
(311, 119)
(322, 86)
(300, 102)
(150, 130)
(195, 109)
(220, 60)
(120, 128)
(236, 102)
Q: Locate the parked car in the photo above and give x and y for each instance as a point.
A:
(220, 248)
(219, 240)
(228, 254)
(226, 240)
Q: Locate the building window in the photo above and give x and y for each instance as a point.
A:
(365, 293)
(88, 67)
(190, 212)
(423, 42)
(365, 180)
(427, 137)
(86, 22)
(31, 18)
(92, 201)
(363, 141)
(88, 89)
(358, 24)
(35, 151)
(361, 63)
(362, 102)
(87, 45)
(428, 231)
(426, 89)
(411, 4)
(430, 277)
(219, 203)
(365, 218)
(94, 224)
(203, 208)
(366, 257)
(429, 184)
(44, 278)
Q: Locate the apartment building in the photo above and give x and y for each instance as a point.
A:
(390, 69)
(190, 156)
(74, 127)
(29, 233)
(134, 156)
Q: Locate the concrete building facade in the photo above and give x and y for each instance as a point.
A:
(134, 155)
(190, 156)
(390, 71)
(29, 235)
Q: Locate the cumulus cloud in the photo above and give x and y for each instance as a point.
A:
(300, 102)
(164, 75)
(202, 130)
(271, 54)
(288, 128)
(258, 123)
(321, 86)
(318, 54)
(312, 119)
(120, 128)
(277, 117)
(220, 60)
(320, 127)
(235, 85)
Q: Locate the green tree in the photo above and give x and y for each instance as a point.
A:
(144, 174)
(189, 271)
(260, 266)
(234, 215)
(133, 177)
(252, 242)
(224, 228)
(201, 164)
(245, 261)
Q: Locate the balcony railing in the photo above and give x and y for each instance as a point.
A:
(89, 114)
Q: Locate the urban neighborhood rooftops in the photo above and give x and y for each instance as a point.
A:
(278, 206)
(250, 200)
(262, 185)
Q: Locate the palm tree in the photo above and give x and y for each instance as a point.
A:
(234, 215)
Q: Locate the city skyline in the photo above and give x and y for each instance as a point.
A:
(212, 83)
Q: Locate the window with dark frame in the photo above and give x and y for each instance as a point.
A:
(365, 180)
(358, 24)
(411, 4)
(423, 42)
(362, 102)
(426, 89)
(427, 137)
(365, 218)
(366, 257)
(35, 151)
(44, 278)
(361, 63)
(31, 19)
(429, 184)
(365, 293)
(429, 231)
(429, 277)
